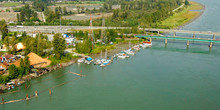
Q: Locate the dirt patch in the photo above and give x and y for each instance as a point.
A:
(87, 16)
(8, 16)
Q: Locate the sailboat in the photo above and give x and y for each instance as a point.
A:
(105, 61)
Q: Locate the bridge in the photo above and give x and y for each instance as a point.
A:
(211, 41)
(181, 31)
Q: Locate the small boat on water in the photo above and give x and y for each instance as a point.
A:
(136, 48)
(81, 60)
(146, 44)
(98, 62)
(129, 52)
(105, 62)
(88, 60)
(122, 55)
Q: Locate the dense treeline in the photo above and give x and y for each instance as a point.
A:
(27, 14)
(3, 29)
(145, 13)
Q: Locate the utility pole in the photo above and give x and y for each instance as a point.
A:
(103, 31)
(60, 22)
(91, 36)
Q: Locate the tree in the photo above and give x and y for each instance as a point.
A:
(65, 11)
(59, 45)
(26, 65)
(82, 9)
(18, 17)
(186, 2)
(21, 69)
(10, 42)
(3, 29)
(13, 71)
(78, 9)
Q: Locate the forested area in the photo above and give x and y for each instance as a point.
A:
(132, 13)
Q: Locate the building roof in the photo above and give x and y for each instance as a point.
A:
(19, 46)
(8, 56)
(37, 61)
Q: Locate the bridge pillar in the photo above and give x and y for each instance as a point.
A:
(194, 36)
(165, 41)
(187, 43)
(150, 39)
(210, 45)
(213, 37)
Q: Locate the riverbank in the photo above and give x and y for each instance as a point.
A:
(184, 16)
(33, 75)
(121, 45)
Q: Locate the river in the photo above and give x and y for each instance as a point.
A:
(171, 77)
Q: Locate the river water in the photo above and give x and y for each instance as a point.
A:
(171, 77)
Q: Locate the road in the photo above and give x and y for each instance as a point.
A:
(57, 29)
(65, 29)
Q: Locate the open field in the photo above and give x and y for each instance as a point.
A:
(86, 16)
(68, 3)
(186, 15)
(10, 4)
(8, 16)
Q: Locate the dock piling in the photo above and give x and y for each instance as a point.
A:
(50, 92)
(187, 43)
(27, 98)
(36, 94)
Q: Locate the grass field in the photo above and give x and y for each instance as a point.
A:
(184, 16)
(69, 3)
(11, 4)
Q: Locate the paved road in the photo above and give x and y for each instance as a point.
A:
(65, 29)
(56, 29)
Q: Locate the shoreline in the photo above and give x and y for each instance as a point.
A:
(32, 75)
(4, 88)
(195, 18)
(118, 47)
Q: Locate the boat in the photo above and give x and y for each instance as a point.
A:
(88, 60)
(146, 44)
(129, 51)
(81, 60)
(136, 48)
(98, 62)
(122, 56)
(104, 61)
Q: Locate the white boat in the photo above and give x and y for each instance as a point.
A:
(129, 52)
(81, 60)
(146, 44)
(122, 56)
(98, 62)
